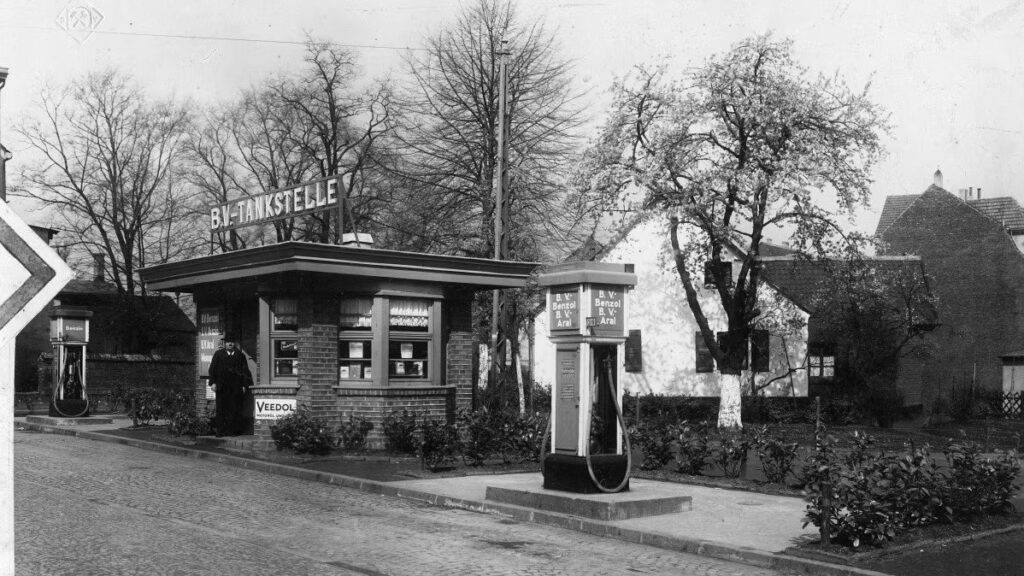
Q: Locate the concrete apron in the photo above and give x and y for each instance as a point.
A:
(743, 527)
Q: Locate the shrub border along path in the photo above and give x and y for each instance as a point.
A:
(824, 564)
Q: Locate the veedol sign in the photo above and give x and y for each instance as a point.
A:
(299, 200)
(274, 408)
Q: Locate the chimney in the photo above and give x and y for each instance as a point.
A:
(979, 193)
(357, 240)
(964, 195)
(97, 267)
(938, 178)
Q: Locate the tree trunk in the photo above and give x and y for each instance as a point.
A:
(729, 405)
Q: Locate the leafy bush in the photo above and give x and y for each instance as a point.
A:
(303, 434)
(188, 423)
(440, 446)
(477, 436)
(979, 485)
(518, 437)
(729, 451)
(777, 457)
(692, 448)
(874, 496)
(654, 442)
(352, 434)
(400, 433)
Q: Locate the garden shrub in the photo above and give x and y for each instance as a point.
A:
(729, 451)
(400, 433)
(875, 495)
(654, 442)
(477, 436)
(517, 437)
(979, 485)
(188, 423)
(440, 445)
(352, 434)
(303, 434)
(692, 448)
(777, 457)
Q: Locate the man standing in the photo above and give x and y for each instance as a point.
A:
(230, 378)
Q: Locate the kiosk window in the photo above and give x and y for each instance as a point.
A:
(356, 314)
(284, 315)
(408, 315)
(286, 357)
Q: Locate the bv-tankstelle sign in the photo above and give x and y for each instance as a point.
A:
(289, 202)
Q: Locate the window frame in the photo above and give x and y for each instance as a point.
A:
(283, 335)
(817, 355)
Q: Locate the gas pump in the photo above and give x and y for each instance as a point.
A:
(69, 336)
(587, 312)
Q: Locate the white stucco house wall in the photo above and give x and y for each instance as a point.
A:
(657, 307)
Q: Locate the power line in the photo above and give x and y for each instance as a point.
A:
(217, 38)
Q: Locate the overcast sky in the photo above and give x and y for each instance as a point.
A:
(950, 73)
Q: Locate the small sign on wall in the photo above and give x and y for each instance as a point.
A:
(210, 394)
(274, 408)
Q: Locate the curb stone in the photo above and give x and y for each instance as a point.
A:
(739, 554)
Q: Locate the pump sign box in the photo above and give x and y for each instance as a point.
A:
(606, 307)
(274, 408)
(565, 310)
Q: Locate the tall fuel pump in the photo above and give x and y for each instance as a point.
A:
(587, 313)
(69, 336)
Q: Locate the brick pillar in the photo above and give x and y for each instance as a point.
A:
(459, 351)
(318, 357)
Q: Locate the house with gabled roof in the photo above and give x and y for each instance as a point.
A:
(972, 249)
(804, 358)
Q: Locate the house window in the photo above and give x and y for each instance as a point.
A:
(411, 339)
(355, 339)
(821, 361)
(284, 342)
(705, 361)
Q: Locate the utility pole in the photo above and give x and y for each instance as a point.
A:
(499, 189)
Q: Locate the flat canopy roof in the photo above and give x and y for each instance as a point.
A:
(286, 257)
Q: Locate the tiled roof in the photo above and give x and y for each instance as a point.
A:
(1004, 210)
(800, 279)
(769, 250)
(894, 207)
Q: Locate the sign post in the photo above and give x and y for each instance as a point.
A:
(33, 275)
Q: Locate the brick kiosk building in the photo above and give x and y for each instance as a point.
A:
(343, 331)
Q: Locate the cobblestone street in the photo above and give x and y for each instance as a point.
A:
(84, 507)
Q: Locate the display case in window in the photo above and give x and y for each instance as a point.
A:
(355, 359)
(409, 315)
(408, 359)
(286, 357)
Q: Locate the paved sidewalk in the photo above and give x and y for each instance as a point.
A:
(733, 525)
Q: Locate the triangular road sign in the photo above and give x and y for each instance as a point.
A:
(32, 275)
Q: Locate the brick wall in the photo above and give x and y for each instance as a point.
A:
(977, 275)
(373, 404)
(103, 371)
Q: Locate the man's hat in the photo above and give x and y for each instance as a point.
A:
(230, 337)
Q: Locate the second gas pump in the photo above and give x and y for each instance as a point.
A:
(587, 312)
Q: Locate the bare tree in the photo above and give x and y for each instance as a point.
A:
(107, 157)
(344, 129)
(449, 136)
(744, 144)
